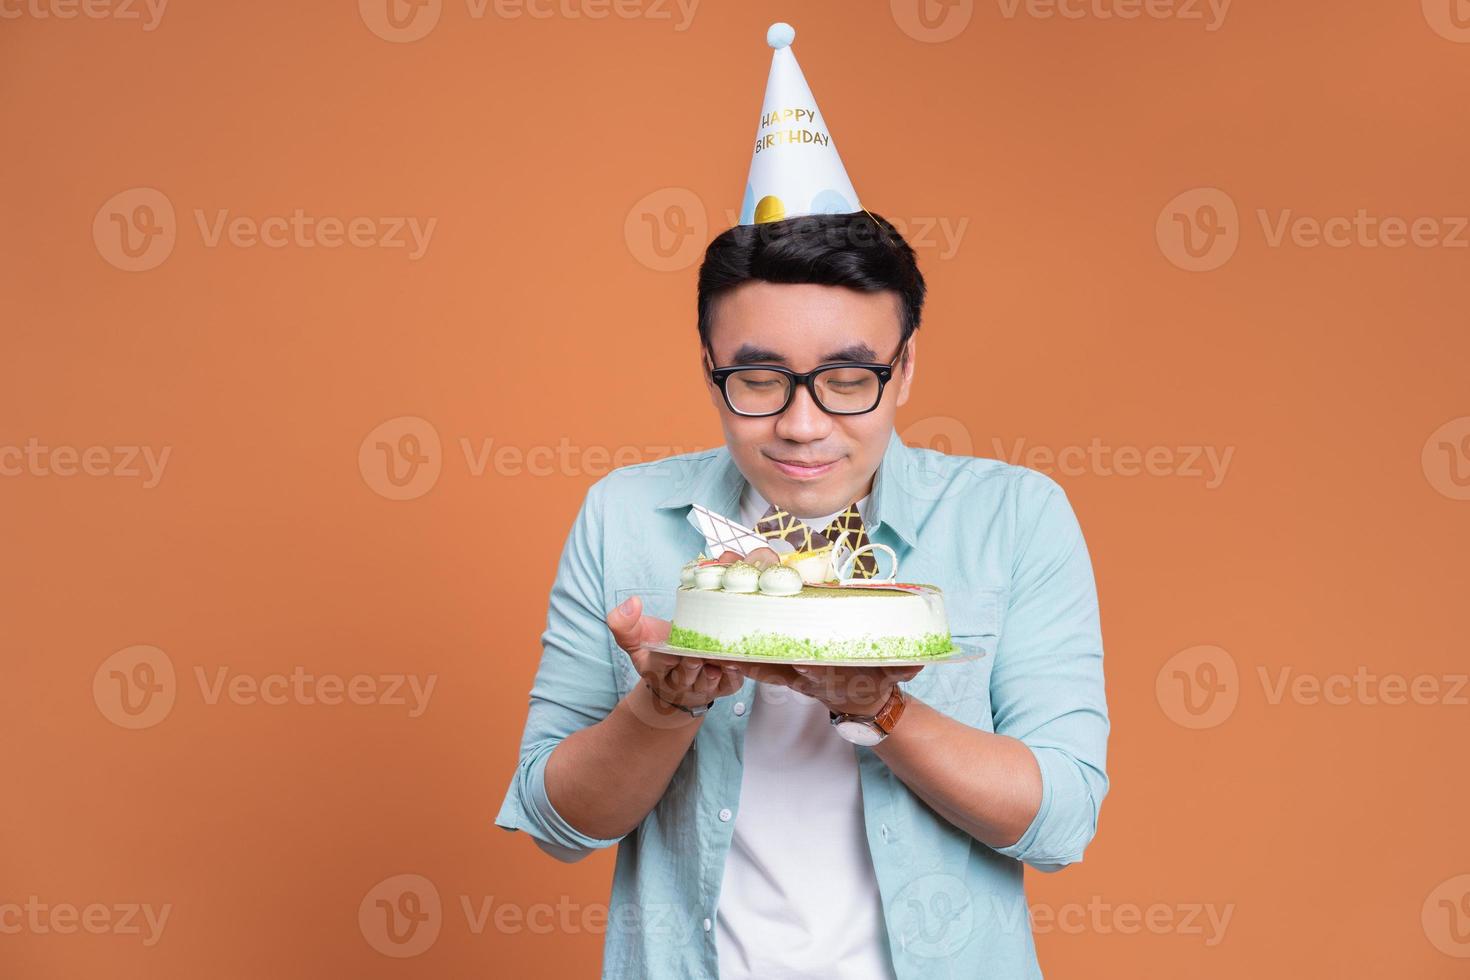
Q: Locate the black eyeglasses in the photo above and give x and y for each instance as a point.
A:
(759, 390)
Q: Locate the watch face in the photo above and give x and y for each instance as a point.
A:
(858, 733)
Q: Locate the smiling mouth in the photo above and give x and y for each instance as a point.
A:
(801, 468)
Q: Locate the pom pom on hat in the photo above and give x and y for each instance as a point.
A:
(780, 35)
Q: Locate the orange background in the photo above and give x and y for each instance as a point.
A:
(543, 315)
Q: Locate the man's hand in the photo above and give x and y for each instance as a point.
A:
(689, 681)
(845, 690)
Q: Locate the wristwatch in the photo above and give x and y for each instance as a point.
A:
(871, 729)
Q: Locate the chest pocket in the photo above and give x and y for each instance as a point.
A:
(657, 602)
(962, 691)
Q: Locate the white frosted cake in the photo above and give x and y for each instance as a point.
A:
(794, 611)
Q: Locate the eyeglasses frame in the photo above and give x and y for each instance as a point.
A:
(719, 375)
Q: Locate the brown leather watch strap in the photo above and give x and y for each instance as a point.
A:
(892, 710)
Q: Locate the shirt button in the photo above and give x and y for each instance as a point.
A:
(706, 925)
(725, 814)
(740, 707)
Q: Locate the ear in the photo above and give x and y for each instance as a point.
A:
(705, 366)
(906, 368)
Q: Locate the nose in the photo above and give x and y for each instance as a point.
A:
(803, 420)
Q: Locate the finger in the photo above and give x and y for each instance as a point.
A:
(655, 630)
(623, 621)
(729, 555)
(763, 558)
(689, 671)
(770, 673)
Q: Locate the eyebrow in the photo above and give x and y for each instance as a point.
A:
(852, 353)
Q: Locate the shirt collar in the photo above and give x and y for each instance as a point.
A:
(718, 483)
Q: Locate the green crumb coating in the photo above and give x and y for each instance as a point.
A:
(786, 647)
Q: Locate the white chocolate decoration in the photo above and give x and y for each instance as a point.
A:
(740, 577)
(709, 577)
(814, 567)
(780, 580)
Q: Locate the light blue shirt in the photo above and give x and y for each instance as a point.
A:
(1004, 545)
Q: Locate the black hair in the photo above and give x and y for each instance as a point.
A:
(860, 250)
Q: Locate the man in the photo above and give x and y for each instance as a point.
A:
(757, 839)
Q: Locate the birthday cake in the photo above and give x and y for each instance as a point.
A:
(801, 609)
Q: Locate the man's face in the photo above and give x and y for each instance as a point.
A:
(805, 460)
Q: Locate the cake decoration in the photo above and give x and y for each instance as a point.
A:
(709, 576)
(740, 576)
(781, 580)
(722, 534)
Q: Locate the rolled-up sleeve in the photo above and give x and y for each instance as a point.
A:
(1047, 681)
(574, 687)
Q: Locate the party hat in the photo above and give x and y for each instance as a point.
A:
(795, 169)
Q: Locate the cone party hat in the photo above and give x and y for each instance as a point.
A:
(794, 169)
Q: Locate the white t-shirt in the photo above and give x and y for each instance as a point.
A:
(799, 900)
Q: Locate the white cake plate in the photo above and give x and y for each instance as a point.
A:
(962, 652)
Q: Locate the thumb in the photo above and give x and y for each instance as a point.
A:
(623, 621)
